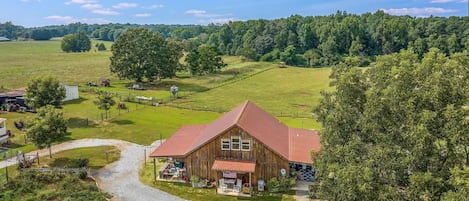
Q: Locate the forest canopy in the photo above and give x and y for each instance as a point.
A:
(310, 41)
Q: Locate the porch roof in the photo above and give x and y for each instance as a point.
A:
(234, 165)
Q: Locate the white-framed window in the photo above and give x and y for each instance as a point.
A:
(246, 145)
(235, 142)
(225, 144)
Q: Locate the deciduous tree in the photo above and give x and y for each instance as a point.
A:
(78, 42)
(47, 127)
(44, 91)
(396, 131)
(140, 53)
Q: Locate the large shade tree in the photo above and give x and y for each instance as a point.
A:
(78, 42)
(141, 53)
(45, 91)
(47, 127)
(397, 131)
(206, 59)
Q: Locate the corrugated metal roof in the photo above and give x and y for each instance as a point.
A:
(180, 143)
(292, 144)
(233, 165)
(14, 93)
(302, 142)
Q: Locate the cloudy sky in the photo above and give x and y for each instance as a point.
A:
(33, 13)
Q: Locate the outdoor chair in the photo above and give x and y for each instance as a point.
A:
(222, 184)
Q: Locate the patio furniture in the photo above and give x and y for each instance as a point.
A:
(222, 184)
(237, 188)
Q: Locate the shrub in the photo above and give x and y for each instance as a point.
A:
(82, 174)
(195, 178)
(273, 184)
(82, 162)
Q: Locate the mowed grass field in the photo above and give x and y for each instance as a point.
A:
(24, 60)
(280, 91)
(287, 93)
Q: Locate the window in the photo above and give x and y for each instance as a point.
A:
(246, 145)
(235, 142)
(225, 144)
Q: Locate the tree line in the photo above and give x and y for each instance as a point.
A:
(310, 41)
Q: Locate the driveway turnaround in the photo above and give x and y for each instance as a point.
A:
(120, 178)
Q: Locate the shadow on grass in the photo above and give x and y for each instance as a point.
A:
(13, 145)
(123, 122)
(166, 84)
(76, 122)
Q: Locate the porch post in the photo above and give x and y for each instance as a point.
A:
(154, 169)
(250, 186)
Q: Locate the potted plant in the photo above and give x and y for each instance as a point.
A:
(195, 180)
(273, 185)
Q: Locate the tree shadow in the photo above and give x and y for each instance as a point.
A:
(77, 122)
(13, 145)
(166, 84)
(123, 122)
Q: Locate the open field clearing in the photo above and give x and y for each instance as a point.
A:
(281, 91)
(288, 93)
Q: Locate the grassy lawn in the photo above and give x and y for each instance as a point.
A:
(280, 91)
(96, 156)
(186, 191)
(22, 61)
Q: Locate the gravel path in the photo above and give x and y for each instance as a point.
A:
(120, 179)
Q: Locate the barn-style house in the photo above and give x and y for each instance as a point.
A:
(238, 149)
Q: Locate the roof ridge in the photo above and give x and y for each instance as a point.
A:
(245, 105)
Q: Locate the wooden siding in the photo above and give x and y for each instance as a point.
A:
(268, 163)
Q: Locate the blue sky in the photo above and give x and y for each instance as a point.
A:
(33, 13)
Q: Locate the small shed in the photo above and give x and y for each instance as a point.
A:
(4, 134)
(4, 39)
(71, 93)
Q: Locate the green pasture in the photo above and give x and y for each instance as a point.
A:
(289, 92)
(24, 60)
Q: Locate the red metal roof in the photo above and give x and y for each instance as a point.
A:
(232, 165)
(180, 143)
(254, 120)
(302, 142)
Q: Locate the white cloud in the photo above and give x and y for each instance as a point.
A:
(155, 6)
(69, 19)
(105, 12)
(124, 5)
(222, 20)
(142, 15)
(449, 1)
(418, 11)
(91, 6)
(204, 14)
(79, 2)
(66, 19)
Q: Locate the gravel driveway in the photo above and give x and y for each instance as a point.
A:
(120, 179)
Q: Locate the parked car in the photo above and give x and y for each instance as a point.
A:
(137, 87)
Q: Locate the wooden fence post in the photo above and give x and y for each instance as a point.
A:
(154, 169)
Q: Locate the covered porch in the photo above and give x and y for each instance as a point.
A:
(234, 177)
(173, 170)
